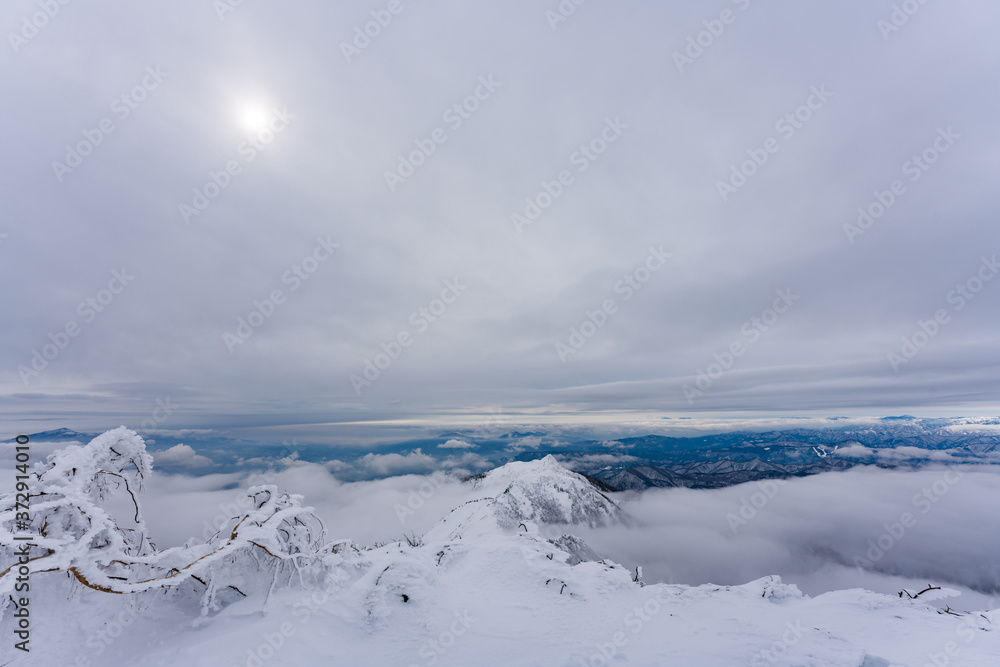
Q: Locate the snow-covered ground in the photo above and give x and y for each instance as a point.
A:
(494, 582)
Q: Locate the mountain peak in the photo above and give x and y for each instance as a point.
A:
(544, 491)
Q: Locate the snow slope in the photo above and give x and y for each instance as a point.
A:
(490, 584)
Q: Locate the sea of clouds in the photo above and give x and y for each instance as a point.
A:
(870, 527)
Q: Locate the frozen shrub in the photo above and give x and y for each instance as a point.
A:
(79, 533)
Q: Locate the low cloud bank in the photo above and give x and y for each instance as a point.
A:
(936, 524)
(868, 526)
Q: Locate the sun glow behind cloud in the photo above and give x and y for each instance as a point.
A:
(253, 117)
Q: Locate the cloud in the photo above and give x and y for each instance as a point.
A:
(181, 456)
(854, 451)
(911, 453)
(456, 444)
(336, 465)
(181, 507)
(468, 462)
(532, 442)
(937, 524)
(802, 527)
(905, 453)
(614, 444)
(397, 464)
(526, 292)
(583, 461)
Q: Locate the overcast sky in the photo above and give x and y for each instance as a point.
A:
(121, 121)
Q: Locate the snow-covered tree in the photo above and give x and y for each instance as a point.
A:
(79, 533)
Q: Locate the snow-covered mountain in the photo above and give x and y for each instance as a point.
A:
(493, 583)
(546, 492)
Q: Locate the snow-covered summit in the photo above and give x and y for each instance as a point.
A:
(544, 491)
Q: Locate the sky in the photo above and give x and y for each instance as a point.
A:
(263, 214)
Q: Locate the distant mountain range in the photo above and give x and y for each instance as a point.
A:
(724, 459)
(625, 463)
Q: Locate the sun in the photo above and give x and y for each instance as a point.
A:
(254, 118)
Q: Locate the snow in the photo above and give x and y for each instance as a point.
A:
(490, 584)
(544, 491)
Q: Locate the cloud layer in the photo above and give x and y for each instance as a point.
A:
(200, 230)
(867, 527)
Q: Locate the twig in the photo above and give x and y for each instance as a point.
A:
(929, 588)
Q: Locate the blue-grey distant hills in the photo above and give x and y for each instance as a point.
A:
(724, 459)
(635, 462)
